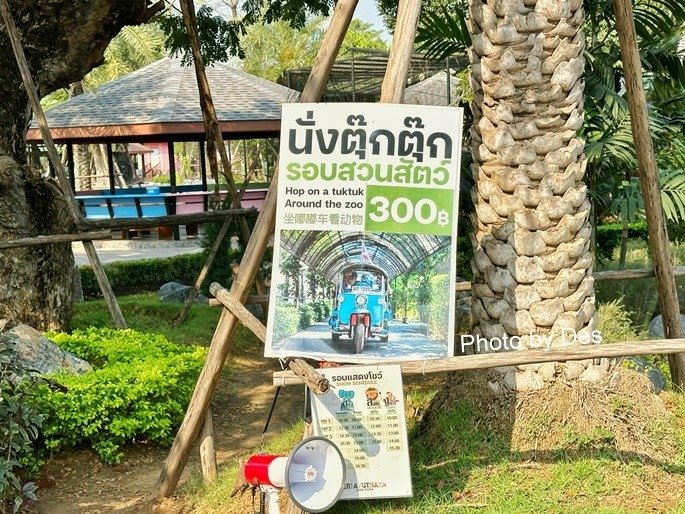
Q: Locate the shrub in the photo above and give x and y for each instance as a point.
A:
(306, 315)
(139, 391)
(613, 320)
(286, 321)
(19, 425)
(145, 275)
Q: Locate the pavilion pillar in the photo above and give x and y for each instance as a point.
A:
(110, 168)
(172, 186)
(70, 166)
(203, 174)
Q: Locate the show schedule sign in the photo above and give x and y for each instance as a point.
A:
(365, 169)
(363, 414)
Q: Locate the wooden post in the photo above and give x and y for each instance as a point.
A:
(70, 165)
(401, 50)
(213, 133)
(221, 342)
(649, 183)
(207, 452)
(105, 286)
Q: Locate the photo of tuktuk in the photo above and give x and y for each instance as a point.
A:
(353, 296)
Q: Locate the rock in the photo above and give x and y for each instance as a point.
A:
(593, 374)
(547, 371)
(495, 387)
(573, 370)
(657, 378)
(38, 354)
(523, 381)
(176, 292)
(656, 326)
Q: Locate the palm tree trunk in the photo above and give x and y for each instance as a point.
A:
(532, 258)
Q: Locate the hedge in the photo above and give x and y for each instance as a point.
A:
(128, 277)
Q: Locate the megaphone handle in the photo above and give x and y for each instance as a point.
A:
(307, 415)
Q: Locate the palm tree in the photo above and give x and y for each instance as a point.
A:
(532, 227)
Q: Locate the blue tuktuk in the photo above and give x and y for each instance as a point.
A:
(361, 307)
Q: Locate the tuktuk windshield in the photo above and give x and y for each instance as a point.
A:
(362, 281)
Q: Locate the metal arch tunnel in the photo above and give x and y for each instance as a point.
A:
(331, 251)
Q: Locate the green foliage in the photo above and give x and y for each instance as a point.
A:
(614, 322)
(362, 34)
(608, 237)
(143, 275)
(320, 309)
(306, 316)
(286, 321)
(220, 38)
(138, 392)
(442, 33)
(19, 426)
(133, 48)
(438, 308)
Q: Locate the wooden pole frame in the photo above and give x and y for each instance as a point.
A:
(56, 162)
(517, 358)
(649, 184)
(221, 342)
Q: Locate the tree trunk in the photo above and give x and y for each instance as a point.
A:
(63, 40)
(532, 260)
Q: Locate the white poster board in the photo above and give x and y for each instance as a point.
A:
(363, 414)
(366, 193)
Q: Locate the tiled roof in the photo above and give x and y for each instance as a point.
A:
(166, 92)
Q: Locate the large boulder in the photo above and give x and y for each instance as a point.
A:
(177, 292)
(39, 355)
(656, 326)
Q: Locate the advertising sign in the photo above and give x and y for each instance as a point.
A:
(365, 247)
(363, 414)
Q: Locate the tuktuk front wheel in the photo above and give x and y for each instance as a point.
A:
(358, 337)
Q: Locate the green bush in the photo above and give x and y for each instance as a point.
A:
(614, 321)
(321, 309)
(19, 425)
(306, 316)
(286, 321)
(139, 391)
(129, 277)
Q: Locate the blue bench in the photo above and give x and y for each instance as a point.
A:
(142, 205)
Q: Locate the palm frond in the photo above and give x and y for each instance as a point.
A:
(441, 34)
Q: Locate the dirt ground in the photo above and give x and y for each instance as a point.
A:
(77, 482)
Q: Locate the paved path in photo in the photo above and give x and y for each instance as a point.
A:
(406, 342)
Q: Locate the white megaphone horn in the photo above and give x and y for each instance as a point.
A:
(313, 474)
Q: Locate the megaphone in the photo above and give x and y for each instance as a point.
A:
(313, 474)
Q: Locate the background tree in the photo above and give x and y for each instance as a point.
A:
(63, 40)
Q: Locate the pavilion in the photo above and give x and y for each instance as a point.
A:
(159, 105)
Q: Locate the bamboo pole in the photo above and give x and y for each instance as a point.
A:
(236, 307)
(517, 358)
(649, 184)
(52, 239)
(401, 50)
(207, 451)
(56, 162)
(213, 133)
(221, 342)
